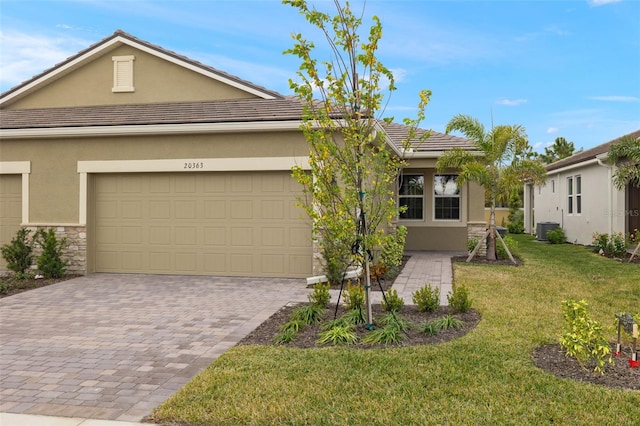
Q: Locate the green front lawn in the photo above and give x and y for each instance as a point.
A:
(484, 378)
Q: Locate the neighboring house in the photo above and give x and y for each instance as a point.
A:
(150, 162)
(580, 196)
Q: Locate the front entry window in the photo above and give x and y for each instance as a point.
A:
(411, 196)
(446, 197)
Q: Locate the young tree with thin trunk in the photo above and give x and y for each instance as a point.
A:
(501, 168)
(349, 192)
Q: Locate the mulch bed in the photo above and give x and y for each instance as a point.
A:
(306, 338)
(13, 286)
(482, 260)
(552, 359)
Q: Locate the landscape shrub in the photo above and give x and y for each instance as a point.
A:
(354, 297)
(516, 222)
(426, 299)
(459, 301)
(19, 252)
(614, 245)
(50, 262)
(308, 314)
(556, 236)
(393, 247)
(392, 302)
(583, 338)
(472, 243)
(320, 295)
(511, 243)
(339, 334)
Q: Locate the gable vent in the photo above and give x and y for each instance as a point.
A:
(123, 73)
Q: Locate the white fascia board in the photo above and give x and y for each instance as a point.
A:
(149, 129)
(573, 166)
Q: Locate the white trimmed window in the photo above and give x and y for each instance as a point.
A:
(411, 196)
(574, 194)
(446, 197)
(123, 73)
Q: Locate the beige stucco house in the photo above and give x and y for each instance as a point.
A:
(579, 195)
(150, 162)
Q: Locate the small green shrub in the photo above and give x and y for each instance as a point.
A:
(583, 338)
(396, 320)
(50, 262)
(426, 299)
(512, 245)
(393, 247)
(431, 328)
(338, 335)
(293, 325)
(284, 337)
(19, 252)
(392, 302)
(354, 316)
(459, 300)
(556, 236)
(387, 335)
(308, 314)
(516, 221)
(614, 245)
(449, 322)
(320, 295)
(472, 243)
(354, 297)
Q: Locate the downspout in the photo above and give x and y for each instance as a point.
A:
(610, 192)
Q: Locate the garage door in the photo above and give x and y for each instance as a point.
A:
(239, 224)
(10, 209)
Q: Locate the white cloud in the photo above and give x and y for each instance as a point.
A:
(553, 130)
(596, 3)
(615, 98)
(511, 102)
(24, 55)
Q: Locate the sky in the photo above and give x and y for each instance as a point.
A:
(559, 68)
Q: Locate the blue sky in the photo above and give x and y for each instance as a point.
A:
(559, 68)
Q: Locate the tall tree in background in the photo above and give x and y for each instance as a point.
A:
(502, 168)
(560, 149)
(349, 193)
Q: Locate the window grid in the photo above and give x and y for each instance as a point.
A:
(411, 196)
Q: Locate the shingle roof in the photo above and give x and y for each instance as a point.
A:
(588, 154)
(228, 111)
(242, 110)
(160, 50)
(436, 142)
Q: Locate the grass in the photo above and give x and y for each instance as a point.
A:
(485, 378)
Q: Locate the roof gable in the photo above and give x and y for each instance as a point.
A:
(111, 44)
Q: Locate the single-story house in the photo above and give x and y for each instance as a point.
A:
(150, 162)
(580, 197)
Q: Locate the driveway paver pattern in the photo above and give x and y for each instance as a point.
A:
(115, 346)
(111, 346)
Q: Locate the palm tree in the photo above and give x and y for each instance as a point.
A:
(501, 168)
(625, 154)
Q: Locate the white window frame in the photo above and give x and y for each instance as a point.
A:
(578, 193)
(123, 74)
(411, 196)
(458, 195)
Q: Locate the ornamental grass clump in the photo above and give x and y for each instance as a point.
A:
(583, 338)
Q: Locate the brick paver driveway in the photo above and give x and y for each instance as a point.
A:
(114, 347)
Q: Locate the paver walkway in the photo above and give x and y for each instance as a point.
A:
(111, 346)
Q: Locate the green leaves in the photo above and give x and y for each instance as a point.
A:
(583, 338)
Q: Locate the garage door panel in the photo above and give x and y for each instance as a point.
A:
(10, 209)
(201, 223)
